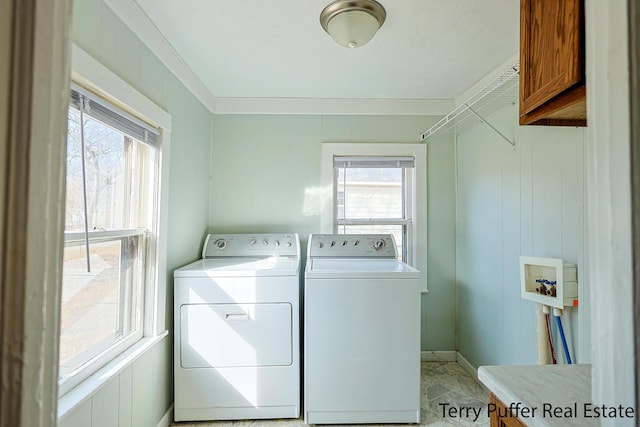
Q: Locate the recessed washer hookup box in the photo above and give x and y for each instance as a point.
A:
(549, 281)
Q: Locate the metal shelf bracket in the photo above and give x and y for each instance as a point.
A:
(513, 144)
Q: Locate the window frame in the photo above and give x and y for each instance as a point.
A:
(91, 75)
(417, 203)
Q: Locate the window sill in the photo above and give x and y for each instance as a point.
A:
(91, 385)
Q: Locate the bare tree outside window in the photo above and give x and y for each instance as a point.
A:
(104, 156)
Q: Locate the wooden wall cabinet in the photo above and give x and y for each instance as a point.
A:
(552, 77)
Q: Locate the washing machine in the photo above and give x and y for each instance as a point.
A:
(361, 332)
(236, 319)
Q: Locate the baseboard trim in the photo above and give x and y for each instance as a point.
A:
(438, 356)
(470, 369)
(166, 420)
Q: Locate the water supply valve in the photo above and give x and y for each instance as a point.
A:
(551, 290)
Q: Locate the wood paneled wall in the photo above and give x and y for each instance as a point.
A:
(527, 201)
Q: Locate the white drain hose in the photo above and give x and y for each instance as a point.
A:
(544, 353)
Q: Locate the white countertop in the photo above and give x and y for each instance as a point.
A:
(555, 395)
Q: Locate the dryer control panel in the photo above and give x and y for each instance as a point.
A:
(251, 245)
(352, 246)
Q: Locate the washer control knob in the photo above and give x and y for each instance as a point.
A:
(220, 243)
(288, 244)
(344, 243)
(320, 245)
(265, 242)
(276, 242)
(252, 242)
(356, 243)
(379, 244)
(333, 243)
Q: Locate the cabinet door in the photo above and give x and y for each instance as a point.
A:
(501, 417)
(551, 51)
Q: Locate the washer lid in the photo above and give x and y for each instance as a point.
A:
(241, 267)
(359, 268)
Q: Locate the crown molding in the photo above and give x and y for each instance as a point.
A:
(333, 106)
(130, 12)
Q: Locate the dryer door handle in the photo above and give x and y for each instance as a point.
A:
(236, 315)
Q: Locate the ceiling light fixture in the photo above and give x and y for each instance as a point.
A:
(352, 23)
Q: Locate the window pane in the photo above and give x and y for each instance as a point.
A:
(105, 177)
(371, 193)
(98, 307)
(396, 230)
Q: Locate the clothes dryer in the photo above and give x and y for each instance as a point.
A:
(361, 332)
(236, 317)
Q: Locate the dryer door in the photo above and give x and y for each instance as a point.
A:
(235, 335)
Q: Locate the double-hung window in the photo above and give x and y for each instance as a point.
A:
(374, 194)
(377, 188)
(111, 226)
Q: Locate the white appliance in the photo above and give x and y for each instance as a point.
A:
(236, 318)
(361, 332)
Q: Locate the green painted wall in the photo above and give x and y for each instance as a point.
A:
(266, 176)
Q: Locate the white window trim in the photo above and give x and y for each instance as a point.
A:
(91, 74)
(417, 151)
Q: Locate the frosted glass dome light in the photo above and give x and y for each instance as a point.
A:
(352, 23)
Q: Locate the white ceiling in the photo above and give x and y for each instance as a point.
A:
(426, 49)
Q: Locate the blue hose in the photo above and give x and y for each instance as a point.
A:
(564, 341)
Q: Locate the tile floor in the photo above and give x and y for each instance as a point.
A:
(442, 382)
